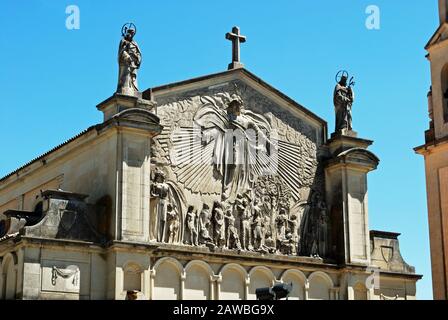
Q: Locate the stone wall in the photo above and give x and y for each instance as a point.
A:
(71, 271)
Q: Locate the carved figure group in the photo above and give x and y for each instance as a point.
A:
(260, 220)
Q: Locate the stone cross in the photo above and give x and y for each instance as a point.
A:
(236, 39)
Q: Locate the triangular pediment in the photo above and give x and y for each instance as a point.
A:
(441, 35)
(274, 143)
(259, 96)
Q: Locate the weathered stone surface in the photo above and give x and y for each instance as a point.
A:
(386, 253)
(66, 216)
(265, 199)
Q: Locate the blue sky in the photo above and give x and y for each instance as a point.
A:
(52, 78)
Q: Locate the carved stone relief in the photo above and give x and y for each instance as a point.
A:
(249, 192)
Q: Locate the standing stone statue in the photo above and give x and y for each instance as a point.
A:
(343, 99)
(233, 239)
(323, 230)
(245, 214)
(173, 224)
(204, 225)
(159, 195)
(192, 226)
(258, 225)
(219, 225)
(281, 220)
(233, 153)
(129, 61)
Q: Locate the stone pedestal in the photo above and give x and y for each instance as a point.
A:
(346, 189)
(136, 123)
(120, 102)
(344, 133)
(235, 65)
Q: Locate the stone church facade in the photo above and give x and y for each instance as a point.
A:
(204, 189)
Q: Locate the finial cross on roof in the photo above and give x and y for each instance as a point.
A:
(236, 38)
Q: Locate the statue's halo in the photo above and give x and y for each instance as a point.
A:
(128, 26)
(340, 74)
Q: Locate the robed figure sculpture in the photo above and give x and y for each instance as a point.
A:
(343, 98)
(129, 60)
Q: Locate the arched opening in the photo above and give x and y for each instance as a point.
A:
(233, 284)
(167, 281)
(445, 92)
(259, 278)
(197, 282)
(132, 278)
(320, 286)
(9, 278)
(360, 292)
(104, 215)
(298, 284)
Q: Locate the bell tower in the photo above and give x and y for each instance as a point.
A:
(437, 48)
(435, 152)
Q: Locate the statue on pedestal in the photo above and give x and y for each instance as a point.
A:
(343, 99)
(129, 61)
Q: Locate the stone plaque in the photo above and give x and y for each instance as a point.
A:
(61, 276)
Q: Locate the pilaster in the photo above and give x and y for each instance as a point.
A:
(346, 189)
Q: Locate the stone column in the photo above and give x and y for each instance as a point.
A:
(246, 287)
(307, 290)
(152, 276)
(217, 281)
(346, 191)
(146, 283)
(211, 288)
(119, 279)
(183, 277)
(371, 294)
(350, 293)
(331, 294)
(336, 293)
